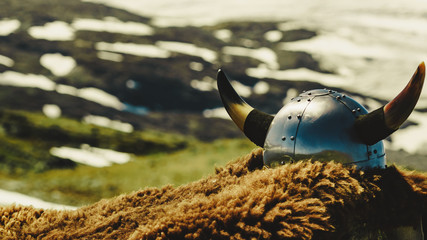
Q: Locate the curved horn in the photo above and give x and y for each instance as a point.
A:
(382, 122)
(252, 122)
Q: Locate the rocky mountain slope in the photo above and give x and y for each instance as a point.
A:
(86, 76)
(155, 72)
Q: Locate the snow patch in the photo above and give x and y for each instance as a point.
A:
(95, 157)
(188, 49)
(273, 35)
(101, 97)
(16, 79)
(8, 26)
(243, 90)
(8, 62)
(412, 138)
(10, 78)
(261, 87)
(340, 46)
(51, 110)
(9, 198)
(142, 50)
(300, 74)
(112, 25)
(223, 34)
(108, 123)
(196, 66)
(109, 56)
(207, 84)
(53, 31)
(58, 64)
(264, 55)
(216, 113)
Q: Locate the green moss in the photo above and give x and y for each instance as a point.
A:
(26, 138)
(85, 184)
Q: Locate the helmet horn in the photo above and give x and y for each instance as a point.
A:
(382, 122)
(252, 122)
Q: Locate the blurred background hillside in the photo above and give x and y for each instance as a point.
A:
(103, 97)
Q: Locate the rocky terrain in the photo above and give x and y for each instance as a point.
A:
(86, 76)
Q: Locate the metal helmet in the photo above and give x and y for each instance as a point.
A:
(323, 124)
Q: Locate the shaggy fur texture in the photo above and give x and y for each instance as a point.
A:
(305, 200)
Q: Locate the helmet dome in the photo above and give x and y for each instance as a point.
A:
(319, 123)
(323, 124)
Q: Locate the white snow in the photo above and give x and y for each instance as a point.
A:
(161, 49)
(188, 49)
(65, 89)
(16, 79)
(10, 78)
(115, 57)
(206, 84)
(143, 50)
(95, 157)
(8, 26)
(9, 198)
(216, 113)
(101, 97)
(196, 66)
(51, 110)
(242, 89)
(113, 25)
(265, 55)
(58, 64)
(412, 139)
(6, 61)
(223, 34)
(300, 74)
(53, 31)
(273, 35)
(261, 87)
(108, 123)
(390, 34)
(62, 31)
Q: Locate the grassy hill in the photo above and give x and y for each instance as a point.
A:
(172, 142)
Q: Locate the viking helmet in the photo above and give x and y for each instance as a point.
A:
(323, 124)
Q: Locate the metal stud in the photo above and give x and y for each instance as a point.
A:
(289, 117)
(375, 151)
(308, 100)
(353, 111)
(283, 138)
(309, 93)
(299, 116)
(292, 138)
(358, 109)
(338, 97)
(299, 100)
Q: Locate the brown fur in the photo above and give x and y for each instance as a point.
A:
(304, 200)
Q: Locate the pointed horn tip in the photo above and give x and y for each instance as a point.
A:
(220, 75)
(422, 67)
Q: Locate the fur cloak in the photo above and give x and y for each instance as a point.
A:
(243, 200)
